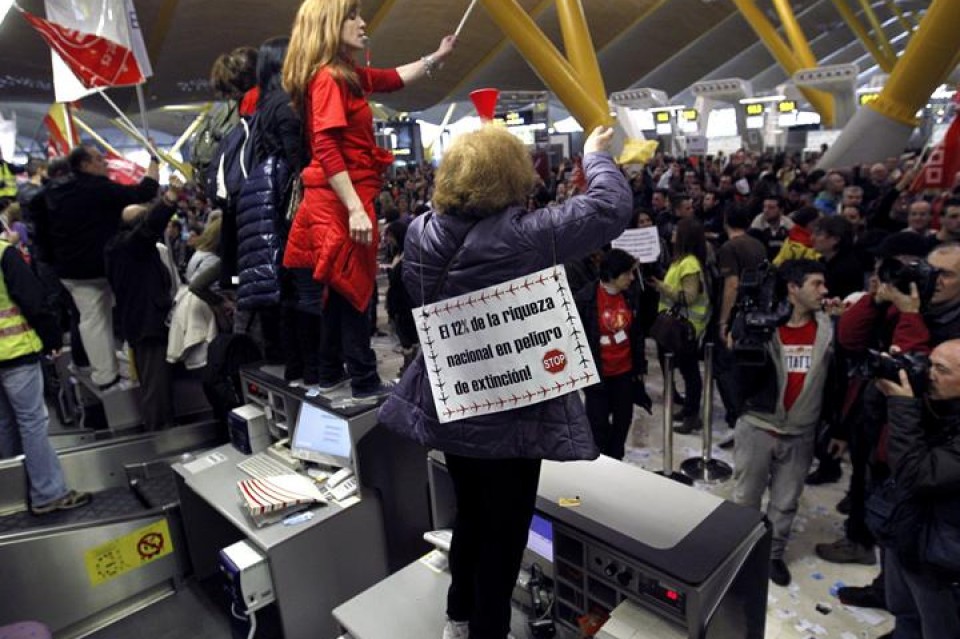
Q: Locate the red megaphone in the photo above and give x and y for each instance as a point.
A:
(485, 101)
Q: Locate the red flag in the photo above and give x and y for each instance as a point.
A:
(61, 128)
(943, 164)
(95, 60)
(122, 170)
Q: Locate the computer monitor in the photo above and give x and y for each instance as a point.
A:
(540, 544)
(321, 437)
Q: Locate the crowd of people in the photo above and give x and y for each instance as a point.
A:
(838, 266)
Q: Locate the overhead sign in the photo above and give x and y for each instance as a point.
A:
(787, 106)
(690, 115)
(514, 344)
(754, 109)
(662, 117)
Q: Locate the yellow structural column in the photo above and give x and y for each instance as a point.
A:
(883, 60)
(929, 58)
(881, 37)
(821, 101)
(559, 76)
(902, 19)
(798, 41)
(579, 46)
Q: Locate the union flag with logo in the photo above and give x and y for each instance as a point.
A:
(943, 165)
(96, 44)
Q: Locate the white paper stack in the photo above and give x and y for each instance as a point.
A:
(265, 499)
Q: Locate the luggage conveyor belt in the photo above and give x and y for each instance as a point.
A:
(77, 571)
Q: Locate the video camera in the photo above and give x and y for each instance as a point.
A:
(900, 274)
(758, 312)
(879, 365)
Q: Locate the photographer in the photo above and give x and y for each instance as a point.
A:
(887, 317)
(924, 456)
(784, 399)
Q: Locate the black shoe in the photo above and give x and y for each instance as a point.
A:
(846, 551)
(779, 573)
(727, 444)
(861, 597)
(292, 372)
(824, 474)
(679, 415)
(843, 506)
(111, 384)
(689, 425)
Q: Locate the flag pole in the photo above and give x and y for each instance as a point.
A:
(66, 124)
(463, 20)
(133, 128)
(142, 101)
(204, 113)
(96, 137)
(127, 127)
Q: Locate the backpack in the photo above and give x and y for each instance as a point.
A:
(227, 353)
(207, 138)
(232, 162)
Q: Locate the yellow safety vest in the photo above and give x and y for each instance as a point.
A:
(17, 339)
(9, 180)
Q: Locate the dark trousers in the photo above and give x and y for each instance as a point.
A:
(156, 385)
(861, 445)
(495, 502)
(724, 373)
(689, 367)
(609, 407)
(345, 338)
(301, 345)
(926, 606)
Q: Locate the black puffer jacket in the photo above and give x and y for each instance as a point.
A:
(258, 235)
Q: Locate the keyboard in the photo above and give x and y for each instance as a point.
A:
(263, 466)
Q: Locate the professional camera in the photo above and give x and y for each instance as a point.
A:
(882, 366)
(900, 274)
(759, 311)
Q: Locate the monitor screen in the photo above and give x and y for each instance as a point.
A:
(540, 538)
(321, 437)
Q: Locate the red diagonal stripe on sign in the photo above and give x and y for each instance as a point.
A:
(96, 61)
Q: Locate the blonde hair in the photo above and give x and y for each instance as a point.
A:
(209, 240)
(483, 173)
(315, 44)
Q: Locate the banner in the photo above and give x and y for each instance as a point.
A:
(95, 44)
(8, 137)
(514, 344)
(643, 244)
(122, 170)
(943, 163)
(61, 129)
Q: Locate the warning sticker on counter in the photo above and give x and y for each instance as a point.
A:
(129, 552)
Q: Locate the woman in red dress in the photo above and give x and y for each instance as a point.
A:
(334, 233)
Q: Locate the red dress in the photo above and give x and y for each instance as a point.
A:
(320, 238)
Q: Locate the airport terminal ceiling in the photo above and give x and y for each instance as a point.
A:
(664, 44)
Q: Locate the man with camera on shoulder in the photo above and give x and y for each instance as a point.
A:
(784, 398)
(923, 452)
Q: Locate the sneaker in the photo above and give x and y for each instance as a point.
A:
(382, 390)
(326, 387)
(73, 499)
(728, 443)
(861, 597)
(845, 551)
(826, 473)
(456, 629)
(110, 385)
(779, 573)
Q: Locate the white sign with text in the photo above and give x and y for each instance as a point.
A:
(643, 244)
(514, 344)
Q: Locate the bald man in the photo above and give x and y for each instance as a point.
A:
(924, 456)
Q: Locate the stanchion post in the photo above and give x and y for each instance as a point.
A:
(704, 467)
(668, 423)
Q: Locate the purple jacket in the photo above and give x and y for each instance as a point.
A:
(499, 248)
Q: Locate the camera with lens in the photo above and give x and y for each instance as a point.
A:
(758, 312)
(879, 365)
(902, 274)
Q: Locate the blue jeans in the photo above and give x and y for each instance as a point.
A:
(23, 417)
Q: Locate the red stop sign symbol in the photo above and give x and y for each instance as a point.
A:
(554, 361)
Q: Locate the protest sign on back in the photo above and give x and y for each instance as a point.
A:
(506, 346)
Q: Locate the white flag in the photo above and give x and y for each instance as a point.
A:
(8, 137)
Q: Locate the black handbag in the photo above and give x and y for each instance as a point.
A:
(673, 331)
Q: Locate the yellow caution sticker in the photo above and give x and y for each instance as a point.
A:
(129, 552)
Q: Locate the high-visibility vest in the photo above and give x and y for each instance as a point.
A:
(8, 188)
(16, 337)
